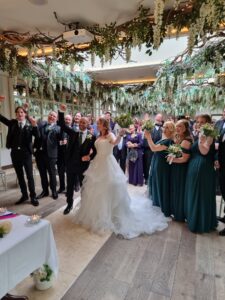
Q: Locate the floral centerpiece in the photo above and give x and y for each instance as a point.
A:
(124, 120)
(148, 125)
(5, 227)
(209, 131)
(174, 151)
(43, 277)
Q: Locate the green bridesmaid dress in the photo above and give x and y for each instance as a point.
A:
(159, 183)
(177, 188)
(200, 191)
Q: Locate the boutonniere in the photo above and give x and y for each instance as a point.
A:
(89, 136)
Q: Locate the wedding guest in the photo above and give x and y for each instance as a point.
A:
(147, 152)
(220, 124)
(63, 139)
(200, 189)
(19, 140)
(179, 170)
(221, 158)
(108, 117)
(46, 154)
(135, 156)
(120, 152)
(76, 121)
(159, 183)
(79, 152)
(195, 131)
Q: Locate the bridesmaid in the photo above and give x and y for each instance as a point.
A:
(179, 170)
(159, 183)
(200, 189)
(134, 141)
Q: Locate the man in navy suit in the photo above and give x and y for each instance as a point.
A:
(46, 154)
(80, 150)
(156, 136)
(19, 140)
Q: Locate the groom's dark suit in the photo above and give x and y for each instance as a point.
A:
(74, 153)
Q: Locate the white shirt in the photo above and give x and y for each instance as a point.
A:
(120, 145)
(22, 122)
(223, 125)
(84, 135)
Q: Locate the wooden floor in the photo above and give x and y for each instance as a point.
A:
(174, 264)
(9, 197)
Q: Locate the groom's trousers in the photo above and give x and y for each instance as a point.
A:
(71, 181)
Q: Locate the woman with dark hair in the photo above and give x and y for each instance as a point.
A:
(200, 189)
(105, 202)
(179, 170)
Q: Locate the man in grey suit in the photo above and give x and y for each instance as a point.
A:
(46, 154)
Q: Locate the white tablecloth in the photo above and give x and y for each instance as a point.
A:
(25, 249)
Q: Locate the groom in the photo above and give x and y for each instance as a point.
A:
(79, 152)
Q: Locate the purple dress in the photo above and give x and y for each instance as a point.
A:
(136, 168)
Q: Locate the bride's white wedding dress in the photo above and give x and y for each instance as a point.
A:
(105, 202)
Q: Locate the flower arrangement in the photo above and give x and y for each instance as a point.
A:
(209, 130)
(124, 120)
(43, 274)
(148, 125)
(5, 227)
(174, 151)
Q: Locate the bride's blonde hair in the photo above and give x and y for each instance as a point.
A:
(105, 123)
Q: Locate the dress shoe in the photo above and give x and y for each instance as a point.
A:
(221, 219)
(77, 188)
(22, 199)
(67, 209)
(61, 191)
(11, 297)
(222, 232)
(34, 201)
(54, 195)
(42, 195)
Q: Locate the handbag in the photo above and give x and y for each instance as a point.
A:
(133, 155)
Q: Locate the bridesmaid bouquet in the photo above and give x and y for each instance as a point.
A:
(174, 151)
(209, 131)
(124, 120)
(148, 125)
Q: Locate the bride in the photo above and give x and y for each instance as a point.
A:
(105, 202)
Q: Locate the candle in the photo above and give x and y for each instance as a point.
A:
(2, 210)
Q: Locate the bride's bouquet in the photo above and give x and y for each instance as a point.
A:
(124, 120)
(148, 125)
(209, 131)
(174, 151)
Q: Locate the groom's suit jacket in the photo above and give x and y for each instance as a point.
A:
(75, 151)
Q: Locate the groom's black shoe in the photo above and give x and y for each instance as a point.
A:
(221, 219)
(67, 209)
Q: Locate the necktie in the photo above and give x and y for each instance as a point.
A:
(80, 138)
(20, 125)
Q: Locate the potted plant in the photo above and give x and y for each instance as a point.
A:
(43, 277)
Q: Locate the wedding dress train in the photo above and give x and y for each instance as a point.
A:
(105, 201)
